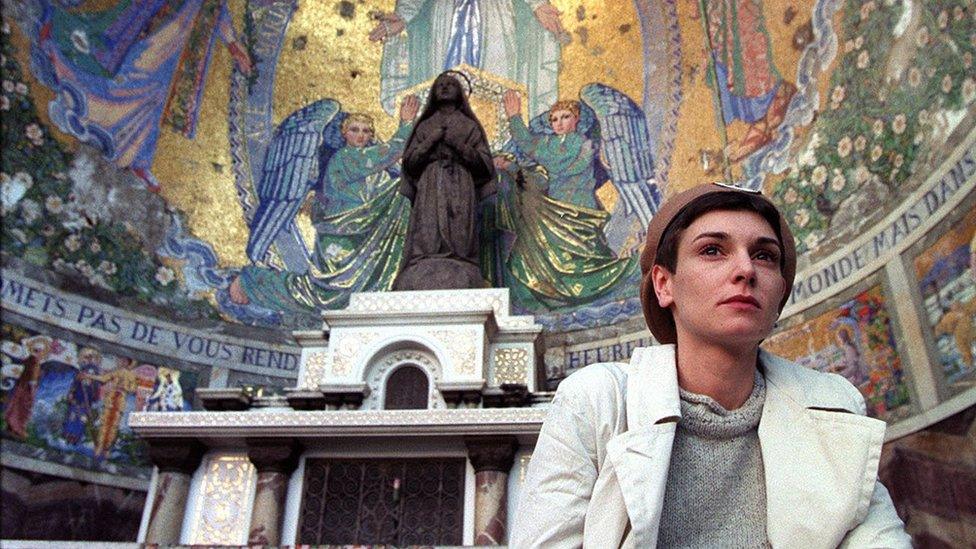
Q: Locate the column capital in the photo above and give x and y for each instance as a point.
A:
(492, 453)
(176, 455)
(274, 455)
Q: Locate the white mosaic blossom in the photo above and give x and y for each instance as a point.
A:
(861, 174)
(95, 246)
(878, 127)
(811, 240)
(164, 275)
(898, 161)
(107, 267)
(29, 210)
(943, 19)
(837, 96)
(914, 77)
(876, 153)
(12, 189)
(860, 143)
(819, 175)
(84, 268)
(802, 217)
(946, 84)
(844, 147)
(863, 59)
(8, 86)
(54, 204)
(790, 196)
(838, 182)
(899, 124)
(4, 103)
(73, 242)
(34, 133)
(21, 88)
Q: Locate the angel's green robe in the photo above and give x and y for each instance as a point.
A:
(360, 223)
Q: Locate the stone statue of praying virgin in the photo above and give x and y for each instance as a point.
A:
(447, 170)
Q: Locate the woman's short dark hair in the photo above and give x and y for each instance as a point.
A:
(667, 251)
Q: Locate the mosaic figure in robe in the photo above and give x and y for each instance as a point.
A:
(745, 79)
(83, 394)
(560, 246)
(122, 72)
(19, 404)
(360, 218)
(118, 398)
(519, 40)
(167, 395)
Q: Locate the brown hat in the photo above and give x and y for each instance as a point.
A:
(659, 319)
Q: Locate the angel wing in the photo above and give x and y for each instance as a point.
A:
(299, 151)
(626, 148)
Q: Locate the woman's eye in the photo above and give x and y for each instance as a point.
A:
(765, 255)
(710, 250)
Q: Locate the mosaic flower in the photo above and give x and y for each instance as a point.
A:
(8, 86)
(837, 96)
(844, 147)
(790, 196)
(848, 46)
(861, 175)
(107, 267)
(838, 182)
(898, 124)
(4, 103)
(79, 39)
(943, 19)
(914, 77)
(811, 240)
(819, 175)
(957, 13)
(47, 230)
(877, 127)
(922, 37)
(95, 247)
(946, 83)
(21, 88)
(164, 275)
(59, 264)
(29, 210)
(84, 268)
(967, 59)
(34, 133)
(866, 9)
(860, 143)
(898, 160)
(863, 59)
(876, 153)
(5, 28)
(12, 189)
(858, 42)
(923, 116)
(54, 204)
(73, 242)
(968, 90)
(801, 217)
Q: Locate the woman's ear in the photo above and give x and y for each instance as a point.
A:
(662, 280)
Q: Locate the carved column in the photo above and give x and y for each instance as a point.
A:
(176, 460)
(492, 458)
(274, 459)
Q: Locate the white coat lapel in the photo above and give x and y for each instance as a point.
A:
(640, 456)
(820, 466)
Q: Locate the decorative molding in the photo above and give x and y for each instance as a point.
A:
(273, 454)
(380, 368)
(233, 425)
(175, 455)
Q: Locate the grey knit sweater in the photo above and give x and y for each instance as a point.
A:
(716, 495)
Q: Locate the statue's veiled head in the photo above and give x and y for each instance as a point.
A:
(447, 90)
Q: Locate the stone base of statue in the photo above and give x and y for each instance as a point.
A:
(439, 273)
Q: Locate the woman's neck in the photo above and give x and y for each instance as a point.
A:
(727, 375)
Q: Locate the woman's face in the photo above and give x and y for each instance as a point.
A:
(728, 284)
(563, 121)
(358, 134)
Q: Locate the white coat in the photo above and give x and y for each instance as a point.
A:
(599, 469)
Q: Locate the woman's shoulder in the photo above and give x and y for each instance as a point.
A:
(812, 388)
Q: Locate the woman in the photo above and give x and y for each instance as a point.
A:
(705, 440)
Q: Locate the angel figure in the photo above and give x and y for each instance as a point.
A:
(561, 245)
(360, 218)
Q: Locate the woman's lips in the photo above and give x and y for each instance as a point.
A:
(742, 300)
